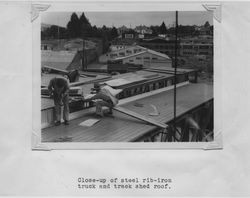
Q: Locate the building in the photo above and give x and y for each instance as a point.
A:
(122, 50)
(129, 34)
(197, 46)
(122, 29)
(159, 44)
(115, 47)
(46, 46)
(147, 80)
(204, 30)
(192, 49)
(202, 45)
(136, 55)
(142, 30)
(146, 58)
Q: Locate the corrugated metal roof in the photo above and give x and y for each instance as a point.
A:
(143, 52)
(123, 128)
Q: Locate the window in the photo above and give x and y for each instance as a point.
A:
(121, 95)
(129, 36)
(170, 82)
(138, 58)
(113, 55)
(156, 85)
(131, 60)
(141, 89)
(161, 84)
(187, 47)
(151, 87)
(204, 47)
(154, 58)
(166, 83)
(146, 58)
(128, 93)
(203, 53)
(122, 54)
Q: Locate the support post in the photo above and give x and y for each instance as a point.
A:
(175, 66)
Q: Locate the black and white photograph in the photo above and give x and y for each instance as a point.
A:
(144, 76)
(124, 98)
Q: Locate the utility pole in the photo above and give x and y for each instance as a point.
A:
(83, 54)
(175, 66)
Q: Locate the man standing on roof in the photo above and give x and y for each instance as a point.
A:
(59, 91)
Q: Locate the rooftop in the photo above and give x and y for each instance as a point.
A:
(123, 128)
(57, 59)
(144, 52)
(72, 44)
(135, 77)
(116, 81)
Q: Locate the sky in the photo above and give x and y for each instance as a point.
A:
(131, 19)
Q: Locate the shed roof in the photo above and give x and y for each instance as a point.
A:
(123, 128)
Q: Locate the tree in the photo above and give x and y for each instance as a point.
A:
(84, 20)
(155, 30)
(207, 25)
(96, 32)
(163, 29)
(73, 26)
(85, 26)
(186, 30)
(114, 33)
(104, 28)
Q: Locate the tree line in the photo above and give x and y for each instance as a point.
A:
(183, 30)
(78, 27)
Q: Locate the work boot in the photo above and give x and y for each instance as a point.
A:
(66, 122)
(58, 123)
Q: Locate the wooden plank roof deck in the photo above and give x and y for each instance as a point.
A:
(123, 128)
